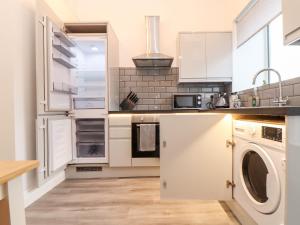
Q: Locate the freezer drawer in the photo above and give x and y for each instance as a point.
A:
(90, 150)
(90, 125)
(85, 137)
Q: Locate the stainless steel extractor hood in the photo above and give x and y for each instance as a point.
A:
(152, 57)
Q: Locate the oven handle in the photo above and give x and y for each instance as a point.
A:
(138, 125)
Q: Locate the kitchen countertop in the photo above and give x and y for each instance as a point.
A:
(12, 169)
(270, 111)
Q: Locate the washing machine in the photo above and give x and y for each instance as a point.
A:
(259, 170)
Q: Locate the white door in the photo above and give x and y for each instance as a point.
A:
(59, 142)
(219, 56)
(54, 64)
(195, 162)
(192, 62)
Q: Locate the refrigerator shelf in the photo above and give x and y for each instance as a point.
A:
(63, 62)
(89, 103)
(63, 37)
(88, 137)
(64, 88)
(63, 49)
(90, 125)
(90, 150)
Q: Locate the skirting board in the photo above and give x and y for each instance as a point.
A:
(240, 213)
(107, 172)
(32, 196)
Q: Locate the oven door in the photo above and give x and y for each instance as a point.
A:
(185, 101)
(136, 149)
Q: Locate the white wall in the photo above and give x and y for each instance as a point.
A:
(6, 82)
(17, 80)
(127, 19)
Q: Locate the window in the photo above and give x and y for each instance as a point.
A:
(283, 58)
(265, 49)
(250, 58)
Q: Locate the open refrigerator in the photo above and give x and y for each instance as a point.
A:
(77, 83)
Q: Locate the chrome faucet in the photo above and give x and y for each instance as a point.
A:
(280, 101)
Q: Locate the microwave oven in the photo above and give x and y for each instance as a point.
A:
(187, 101)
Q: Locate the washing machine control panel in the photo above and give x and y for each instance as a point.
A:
(272, 133)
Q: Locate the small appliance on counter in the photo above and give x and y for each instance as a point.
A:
(187, 101)
(129, 102)
(221, 101)
(218, 100)
(234, 101)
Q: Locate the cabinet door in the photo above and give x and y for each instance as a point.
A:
(192, 65)
(291, 20)
(219, 56)
(120, 152)
(59, 142)
(195, 162)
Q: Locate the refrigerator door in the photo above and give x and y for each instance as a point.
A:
(54, 65)
(54, 144)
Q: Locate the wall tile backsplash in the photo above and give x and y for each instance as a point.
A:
(155, 87)
(267, 93)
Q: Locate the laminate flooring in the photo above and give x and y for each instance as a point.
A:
(129, 201)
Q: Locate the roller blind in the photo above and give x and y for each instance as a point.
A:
(256, 15)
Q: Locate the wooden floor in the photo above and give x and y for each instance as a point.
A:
(133, 201)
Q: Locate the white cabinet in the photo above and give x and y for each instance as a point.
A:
(192, 63)
(195, 160)
(205, 57)
(120, 141)
(291, 21)
(219, 56)
(120, 153)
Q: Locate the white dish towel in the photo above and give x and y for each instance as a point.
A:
(147, 137)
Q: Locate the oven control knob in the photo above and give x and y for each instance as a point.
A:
(199, 102)
(199, 97)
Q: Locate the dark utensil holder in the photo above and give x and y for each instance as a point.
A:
(127, 104)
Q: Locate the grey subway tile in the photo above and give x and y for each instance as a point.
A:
(154, 95)
(154, 107)
(171, 89)
(165, 83)
(160, 89)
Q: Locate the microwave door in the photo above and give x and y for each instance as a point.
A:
(184, 101)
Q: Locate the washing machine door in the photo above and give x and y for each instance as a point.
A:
(260, 179)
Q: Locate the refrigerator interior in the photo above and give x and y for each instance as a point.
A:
(90, 74)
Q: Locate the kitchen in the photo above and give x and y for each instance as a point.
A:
(108, 117)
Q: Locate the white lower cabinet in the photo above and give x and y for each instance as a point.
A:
(120, 141)
(195, 160)
(120, 153)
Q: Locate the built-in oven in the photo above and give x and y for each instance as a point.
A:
(145, 137)
(187, 101)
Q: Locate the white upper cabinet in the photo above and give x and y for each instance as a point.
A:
(195, 161)
(192, 63)
(205, 57)
(219, 56)
(291, 21)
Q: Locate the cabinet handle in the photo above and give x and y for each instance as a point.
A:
(164, 144)
(229, 143)
(164, 184)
